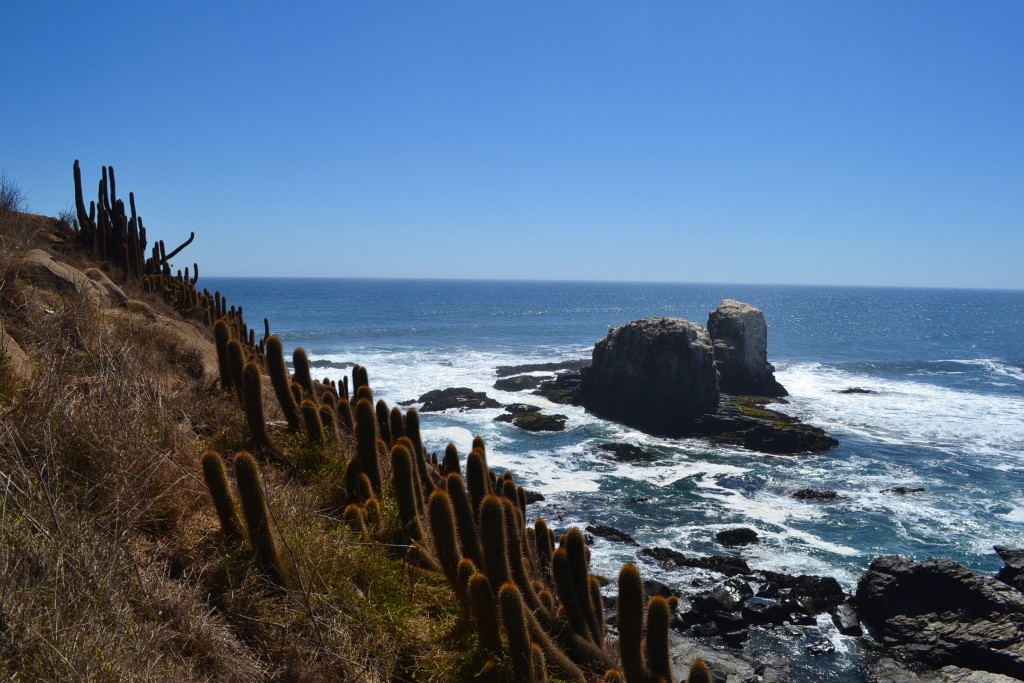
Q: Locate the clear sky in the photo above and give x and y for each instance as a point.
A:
(817, 142)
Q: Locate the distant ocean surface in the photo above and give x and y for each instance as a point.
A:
(946, 368)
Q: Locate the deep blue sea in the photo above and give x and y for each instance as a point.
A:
(947, 413)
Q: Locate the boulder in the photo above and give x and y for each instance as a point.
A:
(13, 360)
(117, 296)
(941, 613)
(740, 337)
(534, 421)
(732, 538)
(730, 566)
(41, 268)
(611, 533)
(1012, 572)
(823, 495)
(460, 398)
(563, 389)
(656, 374)
(518, 383)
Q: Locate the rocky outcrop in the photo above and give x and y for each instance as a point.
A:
(531, 419)
(941, 613)
(458, 398)
(740, 337)
(13, 360)
(657, 374)
(41, 269)
(1012, 572)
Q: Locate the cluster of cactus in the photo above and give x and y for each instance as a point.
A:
(258, 528)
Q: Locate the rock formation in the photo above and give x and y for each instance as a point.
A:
(657, 374)
(740, 337)
(940, 613)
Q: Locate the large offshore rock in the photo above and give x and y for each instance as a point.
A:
(740, 337)
(941, 613)
(656, 374)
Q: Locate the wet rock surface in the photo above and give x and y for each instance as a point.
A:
(459, 398)
(817, 495)
(732, 538)
(518, 383)
(610, 533)
(624, 452)
(740, 337)
(534, 420)
(1012, 572)
(509, 370)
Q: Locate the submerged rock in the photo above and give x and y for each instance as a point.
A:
(534, 421)
(730, 566)
(902, 490)
(740, 337)
(624, 452)
(518, 383)
(824, 495)
(941, 613)
(611, 533)
(736, 537)
(657, 374)
(509, 370)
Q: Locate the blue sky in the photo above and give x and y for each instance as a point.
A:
(870, 143)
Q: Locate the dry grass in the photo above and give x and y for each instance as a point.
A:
(112, 564)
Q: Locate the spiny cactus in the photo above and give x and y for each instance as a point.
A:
(397, 423)
(300, 363)
(578, 562)
(442, 528)
(656, 642)
(328, 420)
(257, 518)
(492, 540)
(465, 521)
(538, 670)
(630, 609)
(485, 616)
(700, 672)
(366, 443)
(252, 393)
(405, 491)
(384, 422)
(236, 361)
(346, 422)
(221, 335)
(476, 478)
(216, 477)
(355, 518)
(513, 620)
(311, 418)
(450, 463)
(282, 387)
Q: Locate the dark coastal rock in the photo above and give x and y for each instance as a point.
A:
(535, 421)
(902, 490)
(809, 593)
(779, 440)
(732, 538)
(625, 452)
(822, 495)
(656, 374)
(333, 364)
(730, 566)
(764, 611)
(564, 389)
(518, 383)
(509, 370)
(845, 620)
(855, 390)
(941, 613)
(746, 421)
(461, 398)
(519, 408)
(611, 533)
(1012, 572)
(740, 337)
(533, 496)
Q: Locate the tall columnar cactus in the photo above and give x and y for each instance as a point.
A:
(465, 520)
(700, 672)
(236, 361)
(300, 361)
(346, 422)
(397, 422)
(311, 418)
(252, 393)
(561, 567)
(493, 541)
(630, 609)
(328, 419)
(412, 431)
(405, 492)
(446, 544)
(656, 643)
(366, 443)
(279, 379)
(485, 616)
(355, 519)
(513, 620)
(384, 422)
(450, 463)
(477, 478)
(222, 335)
(577, 549)
(216, 477)
(257, 518)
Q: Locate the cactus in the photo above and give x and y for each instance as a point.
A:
(485, 616)
(597, 603)
(493, 540)
(327, 419)
(576, 546)
(257, 518)
(412, 431)
(446, 544)
(355, 518)
(279, 378)
(451, 460)
(630, 610)
(346, 422)
(221, 335)
(513, 619)
(360, 378)
(364, 392)
(464, 519)
(612, 676)
(296, 390)
(236, 361)
(700, 672)
(397, 423)
(311, 418)
(366, 443)
(561, 567)
(301, 374)
(538, 670)
(656, 643)
(405, 491)
(476, 478)
(252, 393)
(216, 477)
(384, 422)
(465, 571)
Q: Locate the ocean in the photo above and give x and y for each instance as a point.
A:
(945, 369)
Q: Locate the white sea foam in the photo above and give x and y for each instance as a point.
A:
(906, 412)
(991, 365)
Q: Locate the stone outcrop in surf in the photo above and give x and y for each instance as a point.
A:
(657, 374)
(740, 337)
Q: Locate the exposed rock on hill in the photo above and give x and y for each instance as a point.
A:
(657, 374)
(740, 337)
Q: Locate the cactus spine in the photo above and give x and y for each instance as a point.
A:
(630, 609)
(252, 393)
(464, 519)
(279, 378)
(366, 443)
(492, 537)
(311, 418)
(656, 643)
(481, 600)
(513, 619)
(301, 374)
(442, 528)
(221, 335)
(700, 672)
(405, 491)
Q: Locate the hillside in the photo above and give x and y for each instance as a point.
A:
(344, 551)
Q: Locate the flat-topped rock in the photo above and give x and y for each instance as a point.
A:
(740, 337)
(657, 374)
(459, 398)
